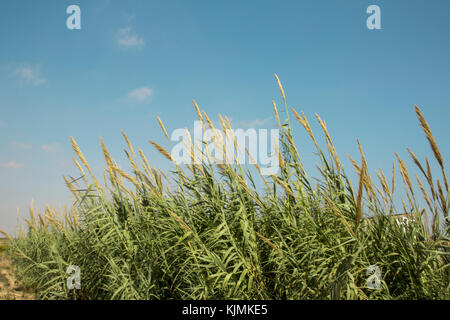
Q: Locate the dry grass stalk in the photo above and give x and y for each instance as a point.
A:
(148, 170)
(383, 197)
(126, 176)
(281, 88)
(81, 170)
(132, 162)
(227, 121)
(339, 213)
(6, 234)
(393, 177)
(359, 196)
(285, 187)
(84, 162)
(164, 175)
(276, 113)
(384, 183)
(105, 182)
(129, 145)
(294, 147)
(367, 180)
(226, 138)
(429, 135)
(250, 193)
(29, 223)
(329, 142)
(355, 165)
(432, 141)
(180, 221)
(79, 153)
(269, 243)
(112, 176)
(442, 198)
(32, 210)
(416, 161)
(257, 168)
(404, 205)
(280, 158)
(161, 150)
(106, 154)
(42, 222)
(224, 126)
(430, 179)
(210, 124)
(190, 147)
(199, 115)
(404, 173)
(304, 122)
(71, 188)
(425, 195)
(163, 128)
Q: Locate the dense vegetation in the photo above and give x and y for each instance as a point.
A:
(215, 235)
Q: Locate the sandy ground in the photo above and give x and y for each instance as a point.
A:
(10, 288)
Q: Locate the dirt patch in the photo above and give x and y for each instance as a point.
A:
(10, 287)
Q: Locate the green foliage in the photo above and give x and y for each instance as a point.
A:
(3, 248)
(218, 237)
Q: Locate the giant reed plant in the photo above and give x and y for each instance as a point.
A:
(205, 231)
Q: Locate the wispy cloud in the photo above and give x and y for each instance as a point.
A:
(127, 38)
(52, 147)
(12, 165)
(29, 75)
(140, 94)
(21, 145)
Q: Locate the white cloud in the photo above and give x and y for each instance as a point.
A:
(29, 75)
(21, 145)
(140, 94)
(52, 147)
(127, 38)
(12, 165)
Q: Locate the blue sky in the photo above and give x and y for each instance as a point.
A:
(135, 60)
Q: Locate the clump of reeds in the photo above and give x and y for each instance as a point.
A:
(213, 234)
